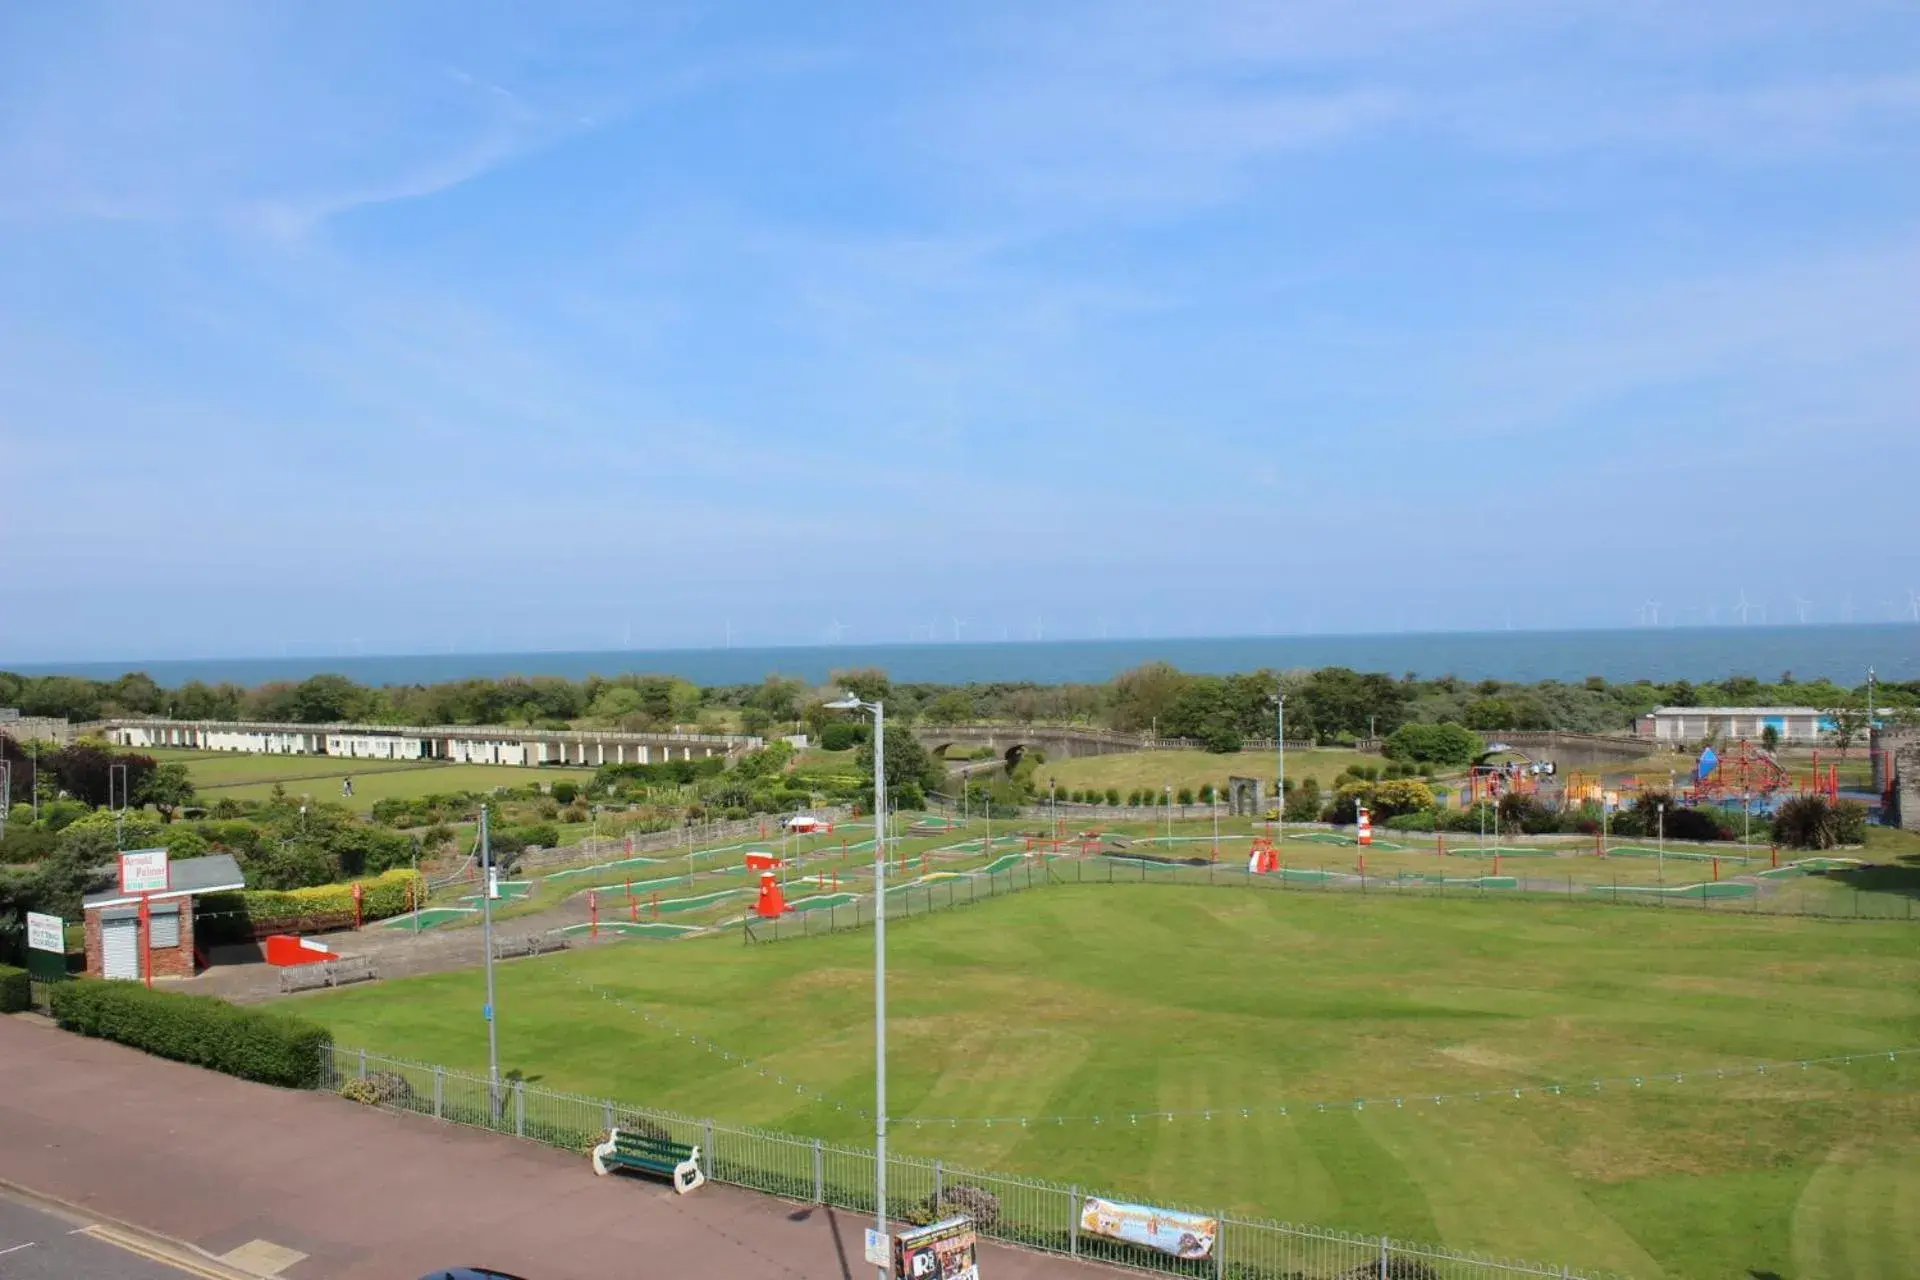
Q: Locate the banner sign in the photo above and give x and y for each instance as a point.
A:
(46, 933)
(1184, 1235)
(943, 1251)
(879, 1247)
(143, 871)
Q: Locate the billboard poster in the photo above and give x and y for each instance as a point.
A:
(943, 1251)
(46, 933)
(143, 871)
(1184, 1235)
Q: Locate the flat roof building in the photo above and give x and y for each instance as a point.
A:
(1797, 726)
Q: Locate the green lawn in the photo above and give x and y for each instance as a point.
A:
(374, 780)
(1106, 1000)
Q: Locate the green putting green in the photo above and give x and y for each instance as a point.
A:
(510, 891)
(627, 929)
(1710, 889)
(618, 889)
(596, 868)
(822, 902)
(431, 918)
(696, 902)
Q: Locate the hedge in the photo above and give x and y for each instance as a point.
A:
(228, 917)
(253, 1044)
(16, 989)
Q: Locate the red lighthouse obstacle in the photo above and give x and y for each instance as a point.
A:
(771, 902)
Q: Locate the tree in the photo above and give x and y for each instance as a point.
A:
(328, 699)
(168, 789)
(1436, 744)
(755, 720)
(869, 684)
(911, 769)
(952, 707)
(86, 772)
(1147, 694)
(1845, 725)
(1770, 738)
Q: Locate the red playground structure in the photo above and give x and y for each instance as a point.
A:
(1745, 772)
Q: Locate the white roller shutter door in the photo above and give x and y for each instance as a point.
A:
(164, 929)
(120, 947)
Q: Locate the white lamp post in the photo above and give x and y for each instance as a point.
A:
(852, 703)
(1279, 701)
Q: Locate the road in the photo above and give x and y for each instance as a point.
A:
(39, 1244)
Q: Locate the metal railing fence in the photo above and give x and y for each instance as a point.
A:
(1032, 1213)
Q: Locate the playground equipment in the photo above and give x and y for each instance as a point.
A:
(1488, 782)
(1744, 773)
(1264, 859)
(763, 862)
(771, 902)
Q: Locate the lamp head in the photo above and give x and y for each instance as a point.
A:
(848, 703)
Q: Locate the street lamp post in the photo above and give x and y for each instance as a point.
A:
(1169, 815)
(1279, 701)
(1660, 816)
(486, 930)
(852, 703)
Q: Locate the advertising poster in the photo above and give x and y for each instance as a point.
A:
(1184, 1235)
(943, 1251)
(46, 933)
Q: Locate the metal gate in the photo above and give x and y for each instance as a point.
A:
(120, 947)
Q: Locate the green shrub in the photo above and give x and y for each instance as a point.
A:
(1185, 796)
(228, 917)
(842, 735)
(1113, 795)
(565, 790)
(16, 989)
(1814, 822)
(254, 1044)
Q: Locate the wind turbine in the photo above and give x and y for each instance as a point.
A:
(1653, 611)
(1743, 608)
(838, 631)
(957, 624)
(728, 625)
(1913, 605)
(1800, 608)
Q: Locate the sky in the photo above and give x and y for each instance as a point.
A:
(363, 327)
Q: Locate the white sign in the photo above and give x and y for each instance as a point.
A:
(46, 933)
(879, 1248)
(143, 871)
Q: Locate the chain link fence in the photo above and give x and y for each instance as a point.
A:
(1026, 1212)
(1825, 895)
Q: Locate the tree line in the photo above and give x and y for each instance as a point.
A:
(1333, 704)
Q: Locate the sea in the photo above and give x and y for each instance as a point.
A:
(1842, 653)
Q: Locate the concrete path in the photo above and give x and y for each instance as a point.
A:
(246, 1171)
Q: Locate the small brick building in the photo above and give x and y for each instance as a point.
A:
(119, 941)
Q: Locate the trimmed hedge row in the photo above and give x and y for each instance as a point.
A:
(231, 917)
(253, 1044)
(16, 989)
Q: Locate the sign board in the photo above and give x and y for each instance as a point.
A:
(943, 1251)
(1184, 1235)
(879, 1247)
(46, 933)
(144, 871)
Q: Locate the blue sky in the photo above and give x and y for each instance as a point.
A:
(412, 327)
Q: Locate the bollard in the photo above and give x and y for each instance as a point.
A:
(656, 904)
(1716, 867)
(593, 913)
(1775, 851)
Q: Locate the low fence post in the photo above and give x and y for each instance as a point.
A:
(1383, 1258)
(706, 1147)
(1219, 1245)
(519, 1108)
(939, 1183)
(1073, 1221)
(609, 1116)
(363, 1064)
(819, 1174)
(439, 1091)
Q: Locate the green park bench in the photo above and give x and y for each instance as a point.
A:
(644, 1151)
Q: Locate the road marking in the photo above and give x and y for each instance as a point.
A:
(16, 1248)
(130, 1244)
